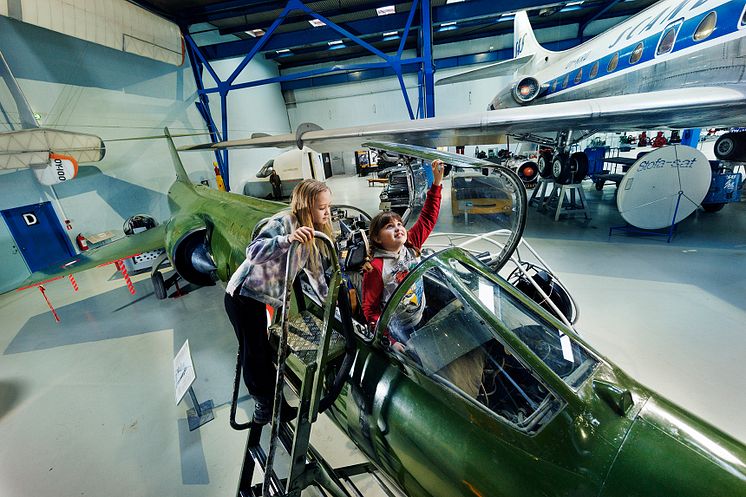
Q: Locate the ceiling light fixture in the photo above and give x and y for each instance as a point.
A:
(316, 23)
(384, 11)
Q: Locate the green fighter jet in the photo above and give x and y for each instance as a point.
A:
(494, 395)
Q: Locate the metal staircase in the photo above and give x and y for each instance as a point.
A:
(306, 343)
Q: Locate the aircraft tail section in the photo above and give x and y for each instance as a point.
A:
(526, 54)
(524, 40)
(181, 174)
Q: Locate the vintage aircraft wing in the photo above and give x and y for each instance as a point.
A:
(32, 147)
(429, 154)
(720, 106)
(52, 154)
(122, 248)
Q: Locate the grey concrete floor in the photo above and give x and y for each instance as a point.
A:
(87, 405)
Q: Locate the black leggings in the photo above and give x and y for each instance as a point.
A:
(249, 320)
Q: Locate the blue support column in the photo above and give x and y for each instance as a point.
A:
(395, 63)
(198, 63)
(428, 82)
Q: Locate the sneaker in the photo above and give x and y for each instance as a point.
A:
(262, 412)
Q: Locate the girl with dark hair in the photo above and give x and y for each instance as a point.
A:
(394, 252)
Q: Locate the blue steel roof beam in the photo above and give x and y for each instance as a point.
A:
(310, 36)
(262, 41)
(339, 29)
(317, 72)
(442, 63)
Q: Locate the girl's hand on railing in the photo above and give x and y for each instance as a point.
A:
(303, 234)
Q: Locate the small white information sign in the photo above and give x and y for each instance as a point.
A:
(184, 374)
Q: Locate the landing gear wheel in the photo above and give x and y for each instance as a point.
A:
(544, 163)
(561, 169)
(159, 286)
(713, 207)
(600, 184)
(528, 172)
(579, 167)
(730, 146)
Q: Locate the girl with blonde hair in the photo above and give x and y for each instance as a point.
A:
(260, 280)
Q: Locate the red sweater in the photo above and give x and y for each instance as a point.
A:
(373, 279)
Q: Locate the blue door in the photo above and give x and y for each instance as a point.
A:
(38, 234)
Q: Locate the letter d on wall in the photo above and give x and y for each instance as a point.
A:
(30, 219)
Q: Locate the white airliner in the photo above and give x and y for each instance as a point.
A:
(53, 155)
(677, 64)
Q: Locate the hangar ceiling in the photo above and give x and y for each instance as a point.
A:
(229, 28)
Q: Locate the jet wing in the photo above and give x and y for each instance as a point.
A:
(122, 248)
(679, 108)
(430, 154)
(502, 68)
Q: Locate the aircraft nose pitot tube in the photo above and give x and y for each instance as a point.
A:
(526, 90)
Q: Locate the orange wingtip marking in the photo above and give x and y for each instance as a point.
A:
(66, 157)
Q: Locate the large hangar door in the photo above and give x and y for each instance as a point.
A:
(38, 235)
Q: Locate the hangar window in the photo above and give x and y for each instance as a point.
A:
(566, 81)
(636, 54)
(579, 76)
(706, 27)
(667, 39)
(613, 62)
(594, 71)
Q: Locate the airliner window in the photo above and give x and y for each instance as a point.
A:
(613, 62)
(456, 347)
(594, 70)
(636, 54)
(566, 81)
(667, 40)
(579, 76)
(706, 27)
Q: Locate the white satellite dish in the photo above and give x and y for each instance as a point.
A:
(673, 179)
